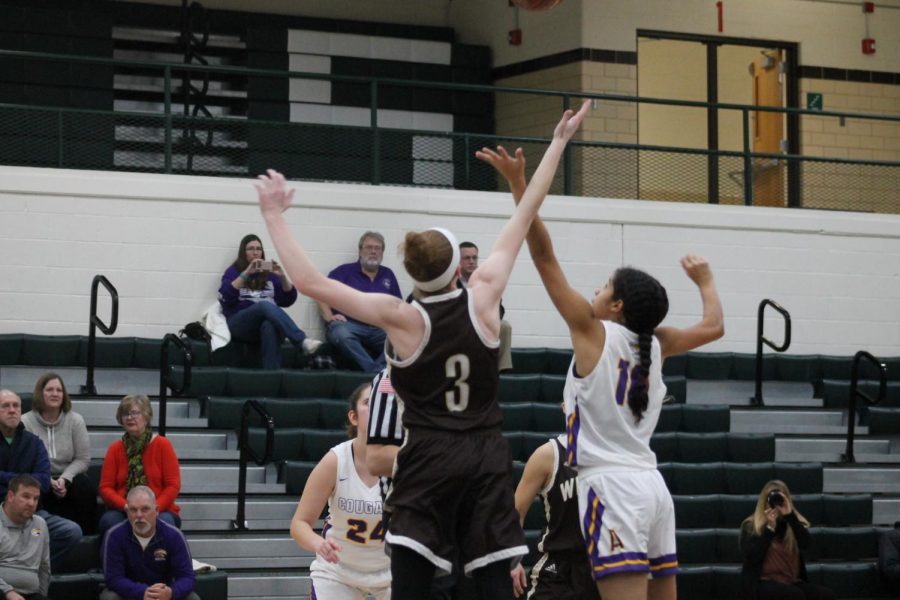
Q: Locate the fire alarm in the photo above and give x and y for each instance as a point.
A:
(515, 37)
(868, 46)
(868, 7)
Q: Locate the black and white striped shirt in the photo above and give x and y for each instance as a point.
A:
(384, 419)
(385, 427)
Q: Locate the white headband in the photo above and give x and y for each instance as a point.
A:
(442, 280)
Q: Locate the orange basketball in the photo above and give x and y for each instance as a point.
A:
(536, 4)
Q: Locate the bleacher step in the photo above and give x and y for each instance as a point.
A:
(117, 382)
(802, 422)
(738, 393)
(241, 550)
(831, 450)
(217, 514)
(885, 510)
(872, 480)
(171, 423)
(181, 440)
(223, 479)
(262, 585)
(102, 411)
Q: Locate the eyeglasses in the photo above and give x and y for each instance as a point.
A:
(132, 415)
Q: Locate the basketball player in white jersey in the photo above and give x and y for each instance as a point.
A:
(350, 561)
(613, 395)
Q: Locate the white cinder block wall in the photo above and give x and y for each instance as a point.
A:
(164, 242)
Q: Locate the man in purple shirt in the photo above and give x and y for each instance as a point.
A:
(145, 558)
(360, 342)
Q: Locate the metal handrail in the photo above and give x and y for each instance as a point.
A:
(757, 399)
(165, 374)
(854, 392)
(481, 136)
(240, 521)
(191, 123)
(472, 87)
(95, 322)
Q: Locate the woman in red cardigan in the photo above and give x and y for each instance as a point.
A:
(139, 458)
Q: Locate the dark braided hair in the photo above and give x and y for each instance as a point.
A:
(644, 306)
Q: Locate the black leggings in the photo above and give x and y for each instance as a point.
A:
(412, 575)
(772, 590)
(79, 503)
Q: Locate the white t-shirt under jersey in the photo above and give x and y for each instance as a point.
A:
(601, 430)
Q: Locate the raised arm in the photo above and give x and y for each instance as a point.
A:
(489, 280)
(711, 326)
(382, 310)
(574, 308)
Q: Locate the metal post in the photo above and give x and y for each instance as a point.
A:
(468, 161)
(59, 134)
(89, 386)
(748, 163)
(757, 399)
(240, 520)
(167, 76)
(376, 146)
(712, 124)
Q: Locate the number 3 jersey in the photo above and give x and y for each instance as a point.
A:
(601, 430)
(450, 382)
(354, 520)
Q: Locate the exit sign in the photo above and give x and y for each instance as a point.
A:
(814, 101)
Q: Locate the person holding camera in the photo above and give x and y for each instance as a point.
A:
(253, 295)
(773, 541)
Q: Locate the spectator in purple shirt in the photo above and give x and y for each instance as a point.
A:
(145, 558)
(360, 342)
(253, 294)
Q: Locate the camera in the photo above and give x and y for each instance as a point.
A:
(775, 498)
(264, 265)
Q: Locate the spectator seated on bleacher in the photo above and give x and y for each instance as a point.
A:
(889, 557)
(139, 458)
(773, 542)
(359, 342)
(23, 452)
(146, 557)
(72, 494)
(253, 294)
(24, 545)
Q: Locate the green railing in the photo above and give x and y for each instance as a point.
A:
(164, 139)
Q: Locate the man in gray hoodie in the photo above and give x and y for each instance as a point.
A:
(24, 542)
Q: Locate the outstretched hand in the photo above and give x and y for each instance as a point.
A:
(570, 122)
(513, 169)
(274, 195)
(697, 269)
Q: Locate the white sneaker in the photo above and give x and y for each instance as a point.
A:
(310, 345)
